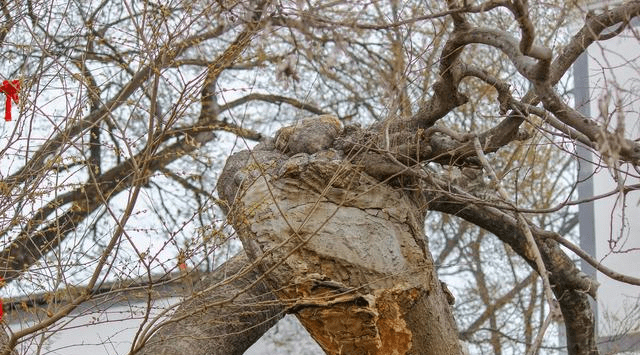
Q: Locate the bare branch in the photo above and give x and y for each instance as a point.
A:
(520, 9)
(275, 99)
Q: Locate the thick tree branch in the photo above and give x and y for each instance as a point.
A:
(589, 33)
(618, 147)
(570, 286)
(220, 314)
(275, 99)
(222, 317)
(520, 9)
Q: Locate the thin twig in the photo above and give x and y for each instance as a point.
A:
(526, 230)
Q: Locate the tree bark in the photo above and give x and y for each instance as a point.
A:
(230, 310)
(571, 286)
(338, 238)
(341, 250)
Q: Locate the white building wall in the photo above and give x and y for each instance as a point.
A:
(614, 79)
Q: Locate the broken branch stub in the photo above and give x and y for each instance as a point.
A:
(343, 251)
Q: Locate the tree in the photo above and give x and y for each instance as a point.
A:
(125, 105)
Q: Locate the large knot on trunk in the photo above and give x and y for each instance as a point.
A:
(305, 210)
(343, 251)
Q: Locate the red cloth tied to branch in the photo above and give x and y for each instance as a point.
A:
(10, 89)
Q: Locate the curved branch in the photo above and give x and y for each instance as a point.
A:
(446, 96)
(520, 10)
(589, 33)
(274, 99)
(569, 284)
(507, 45)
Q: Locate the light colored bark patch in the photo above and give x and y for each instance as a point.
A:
(346, 254)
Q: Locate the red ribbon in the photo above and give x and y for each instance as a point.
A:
(10, 89)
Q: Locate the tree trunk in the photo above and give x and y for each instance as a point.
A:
(229, 311)
(343, 251)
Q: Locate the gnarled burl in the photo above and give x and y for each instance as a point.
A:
(343, 250)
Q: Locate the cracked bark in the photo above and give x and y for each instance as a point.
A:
(343, 252)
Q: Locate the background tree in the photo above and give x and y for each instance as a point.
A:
(128, 112)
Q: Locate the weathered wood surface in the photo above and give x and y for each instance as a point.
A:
(342, 250)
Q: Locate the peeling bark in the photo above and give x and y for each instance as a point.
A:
(344, 252)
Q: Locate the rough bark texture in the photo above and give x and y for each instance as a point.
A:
(344, 252)
(334, 225)
(4, 339)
